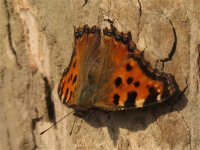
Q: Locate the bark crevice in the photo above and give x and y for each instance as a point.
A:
(9, 31)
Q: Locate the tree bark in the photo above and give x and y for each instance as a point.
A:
(36, 41)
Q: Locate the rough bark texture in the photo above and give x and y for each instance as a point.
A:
(36, 39)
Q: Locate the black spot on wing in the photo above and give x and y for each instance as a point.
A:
(152, 97)
(118, 81)
(66, 94)
(128, 67)
(136, 83)
(131, 96)
(74, 80)
(70, 78)
(116, 99)
(129, 80)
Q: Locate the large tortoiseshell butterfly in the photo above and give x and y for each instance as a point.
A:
(107, 71)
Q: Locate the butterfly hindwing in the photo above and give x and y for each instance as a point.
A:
(133, 81)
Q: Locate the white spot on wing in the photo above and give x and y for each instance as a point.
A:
(158, 98)
(140, 102)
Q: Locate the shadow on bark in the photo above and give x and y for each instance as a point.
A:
(133, 120)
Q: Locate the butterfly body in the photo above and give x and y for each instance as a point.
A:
(107, 71)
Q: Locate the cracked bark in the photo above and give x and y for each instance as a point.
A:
(140, 15)
(140, 9)
(84, 3)
(8, 137)
(30, 98)
(173, 49)
(10, 34)
(199, 58)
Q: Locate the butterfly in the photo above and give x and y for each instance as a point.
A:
(108, 72)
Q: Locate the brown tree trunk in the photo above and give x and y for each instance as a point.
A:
(36, 40)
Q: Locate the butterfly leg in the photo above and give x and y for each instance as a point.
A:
(73, 125)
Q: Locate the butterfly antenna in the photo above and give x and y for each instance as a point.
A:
(72, 126)
(56, 123)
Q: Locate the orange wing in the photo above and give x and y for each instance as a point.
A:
(72, 81)
(132, 81)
